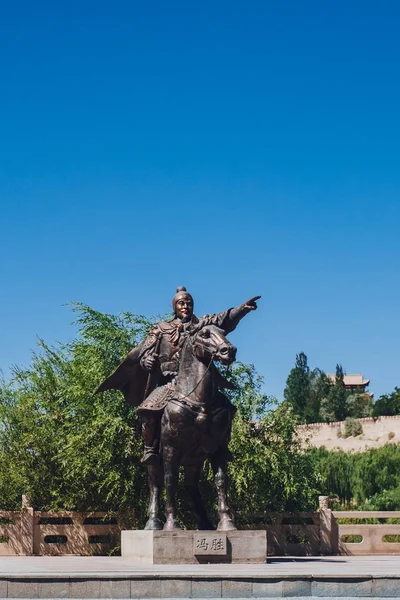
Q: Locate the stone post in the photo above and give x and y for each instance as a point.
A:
(26, 527)
(323, 502)
(328, 528)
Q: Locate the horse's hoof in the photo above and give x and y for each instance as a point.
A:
(153, 524)
(226, 524)
(171, 525)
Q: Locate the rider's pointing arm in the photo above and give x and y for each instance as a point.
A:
(229, 319)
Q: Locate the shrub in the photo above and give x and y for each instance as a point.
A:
(352, 427)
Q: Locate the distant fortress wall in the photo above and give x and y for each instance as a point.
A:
(338, 424)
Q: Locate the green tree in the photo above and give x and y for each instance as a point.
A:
(320, 386)
(247, 396)
(61, 444)
(297, 390)
(375, 471)
(337, 396)
(335, 469)
(385, 500)
(358, 406)
(387, 404)
(271, 471)
(367, 479)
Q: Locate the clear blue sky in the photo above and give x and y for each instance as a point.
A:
(237, 148)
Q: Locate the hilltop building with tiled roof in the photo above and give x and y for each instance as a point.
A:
(353, 382)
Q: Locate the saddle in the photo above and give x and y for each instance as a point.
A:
(157, 400)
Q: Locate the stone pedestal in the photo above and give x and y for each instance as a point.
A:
(194, 547)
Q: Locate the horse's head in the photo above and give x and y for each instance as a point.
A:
(209, 343)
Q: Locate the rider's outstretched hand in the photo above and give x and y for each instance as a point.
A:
(252, 304)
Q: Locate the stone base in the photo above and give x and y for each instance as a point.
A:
(194, 547)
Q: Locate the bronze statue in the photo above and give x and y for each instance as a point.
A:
(185, 416)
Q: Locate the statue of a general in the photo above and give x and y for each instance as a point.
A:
(186, 418)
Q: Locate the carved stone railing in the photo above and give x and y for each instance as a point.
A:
(366, 538)
(28, 532)
(291, 534)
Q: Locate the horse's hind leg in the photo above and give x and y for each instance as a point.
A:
(226, 523)
(171, 472)
(154, 479)
(192, 476)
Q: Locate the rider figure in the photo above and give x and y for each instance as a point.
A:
(161, 356)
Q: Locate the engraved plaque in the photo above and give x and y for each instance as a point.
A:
(209, 543)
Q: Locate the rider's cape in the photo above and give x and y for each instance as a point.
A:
(129, 377)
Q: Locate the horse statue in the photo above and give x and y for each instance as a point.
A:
(196, 425)
(172, 380)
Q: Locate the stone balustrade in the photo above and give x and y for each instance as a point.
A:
(28, 532)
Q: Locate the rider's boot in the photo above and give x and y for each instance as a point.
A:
(151, 436)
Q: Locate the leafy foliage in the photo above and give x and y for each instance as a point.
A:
(336, 473)
(363, 477)
(387, 404)
(297, 390)
(320, 386)
(352, 427)
(60, 443)
(337, 396)
(358, 406)
(316, 398)
(385, 500)
(250, 402)
(271, 471)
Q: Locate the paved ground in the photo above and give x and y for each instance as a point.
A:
(325, 566)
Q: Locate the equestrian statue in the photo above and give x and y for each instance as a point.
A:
(172, 380)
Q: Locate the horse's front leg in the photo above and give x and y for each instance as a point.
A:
(226, 523)
(171, 473)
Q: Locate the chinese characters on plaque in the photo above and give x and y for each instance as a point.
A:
(209, 543)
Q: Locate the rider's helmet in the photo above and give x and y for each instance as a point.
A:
(181, 293)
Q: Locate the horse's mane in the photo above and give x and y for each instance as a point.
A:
(199, 326)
